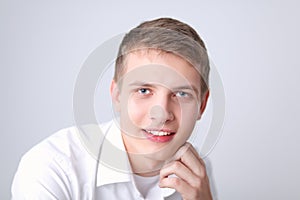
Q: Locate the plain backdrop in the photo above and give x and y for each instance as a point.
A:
(254, 44)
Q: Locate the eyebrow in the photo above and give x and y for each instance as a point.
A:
(184, 87)
(139, 83)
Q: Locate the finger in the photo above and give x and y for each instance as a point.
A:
(195, 152)
(178, 153)
(179, 185)
(177, 168)
(193, 162)
(181, 171)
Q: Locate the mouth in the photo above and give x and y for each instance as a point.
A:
(160, 136)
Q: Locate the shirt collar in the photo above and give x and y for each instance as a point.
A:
(113, 165)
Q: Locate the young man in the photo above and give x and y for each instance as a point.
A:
(160, 90)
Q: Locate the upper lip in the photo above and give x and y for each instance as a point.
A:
(157, 129)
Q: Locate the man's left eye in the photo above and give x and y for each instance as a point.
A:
(182, 94)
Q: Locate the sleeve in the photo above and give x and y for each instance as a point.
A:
(40, 177)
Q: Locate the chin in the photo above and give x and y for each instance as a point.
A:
(164, 153)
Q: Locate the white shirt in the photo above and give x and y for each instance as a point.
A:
(147, 185)
(64, 166)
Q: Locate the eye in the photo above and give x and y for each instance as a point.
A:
(144, 91)
(181, 94)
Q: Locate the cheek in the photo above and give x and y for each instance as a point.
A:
(190, 111)
(137, 111)
(188, 118)
(132, 116)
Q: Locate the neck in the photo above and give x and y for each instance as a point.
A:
(143, 165)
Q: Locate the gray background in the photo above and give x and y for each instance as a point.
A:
(254, 44)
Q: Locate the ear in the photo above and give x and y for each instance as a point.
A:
(203, 104)
(115, 95)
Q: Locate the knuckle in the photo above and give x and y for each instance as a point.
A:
(204, 175)
(203, 172)
(162, 171)
(198, 171)
(176, 182)
(198, 183)
(176, 165)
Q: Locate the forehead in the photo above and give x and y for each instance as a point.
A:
(159, 66)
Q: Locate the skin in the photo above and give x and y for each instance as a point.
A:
(161, 91)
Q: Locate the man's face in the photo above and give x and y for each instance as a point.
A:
(158, 98)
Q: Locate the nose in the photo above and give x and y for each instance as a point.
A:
(161, 112)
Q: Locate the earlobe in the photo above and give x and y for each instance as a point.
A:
(203, 104)
(115, 94)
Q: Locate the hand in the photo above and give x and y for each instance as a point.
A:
(191, 181)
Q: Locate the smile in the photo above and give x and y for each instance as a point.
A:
(159, 133)
(160, 136)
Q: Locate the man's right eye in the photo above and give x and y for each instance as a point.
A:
(144, 91)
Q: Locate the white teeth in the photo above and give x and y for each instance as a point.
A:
(159, 133)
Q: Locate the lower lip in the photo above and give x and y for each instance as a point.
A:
(159, 139)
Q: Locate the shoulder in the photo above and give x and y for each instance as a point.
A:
(66, 143)
(60, 144)
(44, 170)
(53, 168)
